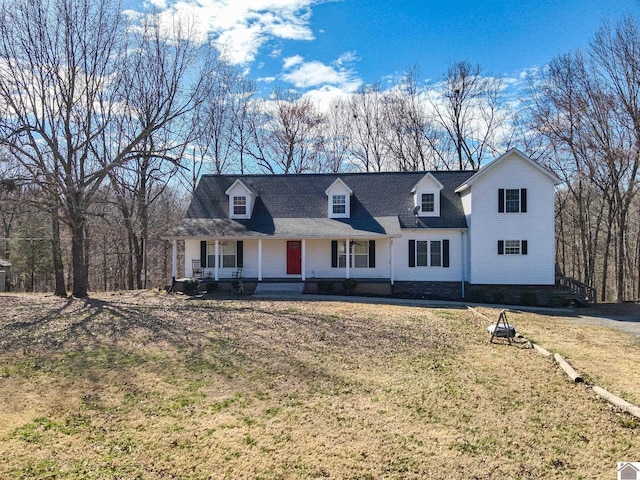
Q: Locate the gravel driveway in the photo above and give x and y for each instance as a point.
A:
(625, 317)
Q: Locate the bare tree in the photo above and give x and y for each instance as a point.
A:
(58, 76)
(336, 137)
(587, 107)
(469, 110)
(167, 79)
(222, 119)
(368, 129)
(68, 81)
(410, 136)
(287, 135)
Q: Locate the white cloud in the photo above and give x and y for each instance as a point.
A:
(322, 83)
(303, 74)
(347, 58)
(310, 74)
(241, 27)
(292, 61)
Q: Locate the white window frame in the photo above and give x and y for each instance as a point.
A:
(512, 247)
(418, 199)
(432, 244)
(512, 205)
(358, 254)
(424, 253)
(432, 201)
(227, 254)
(339, 204)
(240, 202)
(422, 257)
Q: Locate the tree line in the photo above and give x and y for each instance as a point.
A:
(108, 118)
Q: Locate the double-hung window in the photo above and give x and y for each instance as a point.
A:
(239, 205)
(429, 253)
(512, 200)
(436, 253)
(422, 253)
(362, 254)
(227, 254)
(339, 204)
(428, 204)
(513, 247)
(358, 254)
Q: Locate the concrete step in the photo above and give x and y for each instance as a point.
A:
(279, 289)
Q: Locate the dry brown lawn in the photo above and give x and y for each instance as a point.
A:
(145, 385)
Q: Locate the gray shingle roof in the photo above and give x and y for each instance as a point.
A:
(296, 206)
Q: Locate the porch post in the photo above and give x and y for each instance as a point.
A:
(216, 268)
(392, 274)
(463, 267)
(174, 258)
(348, 252)
(260, 260)
(304, 260)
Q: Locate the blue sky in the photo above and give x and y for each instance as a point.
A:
(336, 46)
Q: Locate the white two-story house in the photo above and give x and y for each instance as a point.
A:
(438, 234)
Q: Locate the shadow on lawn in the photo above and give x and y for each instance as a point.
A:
(242, 340)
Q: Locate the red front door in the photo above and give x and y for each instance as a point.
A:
(294, 257)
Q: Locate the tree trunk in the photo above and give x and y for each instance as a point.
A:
(56, 249)
(78, 257)
(605, 266)
(622, 227)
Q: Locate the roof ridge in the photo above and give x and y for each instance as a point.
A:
(328, 174)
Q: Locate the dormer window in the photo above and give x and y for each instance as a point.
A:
(242, 199)
(338, 200)
(428, 203)
(240, 206)
(339, 204)
(426, 196)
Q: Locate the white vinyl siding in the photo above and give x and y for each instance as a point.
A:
(489, 226)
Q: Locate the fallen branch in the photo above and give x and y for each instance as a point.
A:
(567, 368)
(617, 401)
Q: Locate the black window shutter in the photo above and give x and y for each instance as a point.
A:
(501, 200)
(523, 200)
(500, 247)
(372, 254)
(334, 254)
(523, 247)
(412, 253)
(240, 254)
(203, 254)
(445, 253)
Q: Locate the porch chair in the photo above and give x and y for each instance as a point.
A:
(237, 273)
(196, 268)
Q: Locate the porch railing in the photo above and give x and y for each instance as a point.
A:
(579, 289)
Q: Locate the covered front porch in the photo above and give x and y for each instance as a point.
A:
(287, 259)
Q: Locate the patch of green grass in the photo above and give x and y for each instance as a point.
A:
(446, 314)
(217, 407)
(251, 441)
(32, 432)
(42, 469)
(272, 411)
